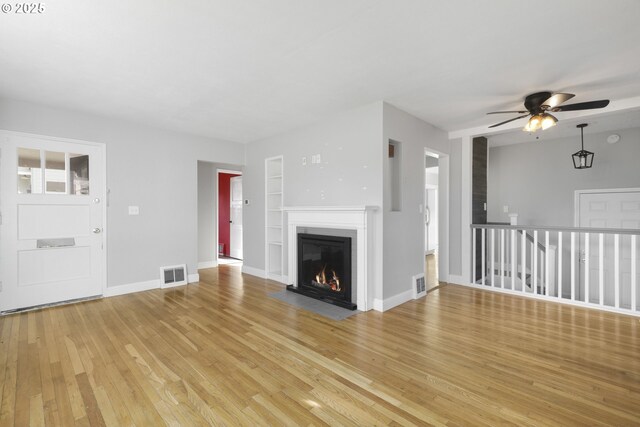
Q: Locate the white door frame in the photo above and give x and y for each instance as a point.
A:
(217, 218)
(232, 224)
(103, 151)
(443, 210)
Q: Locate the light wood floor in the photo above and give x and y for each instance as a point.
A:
(222, 352)
(431, 269)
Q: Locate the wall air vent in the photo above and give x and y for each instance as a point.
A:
(171, 276)
(419, 287)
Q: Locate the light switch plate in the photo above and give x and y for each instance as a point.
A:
(134, 210)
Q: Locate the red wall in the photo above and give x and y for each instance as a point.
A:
(224, 200)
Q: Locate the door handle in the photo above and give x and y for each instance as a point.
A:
(96, 230)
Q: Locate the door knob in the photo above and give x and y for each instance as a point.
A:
(96, 230)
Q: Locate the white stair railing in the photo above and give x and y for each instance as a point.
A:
(581, 266)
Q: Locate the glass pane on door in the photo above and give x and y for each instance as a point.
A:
(54, 174)
(29, 171)
(78, 174)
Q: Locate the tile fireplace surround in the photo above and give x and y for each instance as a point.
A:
(358, 218)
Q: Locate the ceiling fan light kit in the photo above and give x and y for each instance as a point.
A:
(540, 121)
(539, 104)
(582, 159)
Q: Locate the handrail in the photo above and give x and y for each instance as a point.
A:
(556, 228)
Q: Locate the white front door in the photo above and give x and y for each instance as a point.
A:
(608, 209)
(235, 238)
(52, 195)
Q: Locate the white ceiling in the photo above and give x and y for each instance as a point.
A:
(243, 70)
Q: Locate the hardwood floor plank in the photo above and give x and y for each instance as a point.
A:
(36, 411)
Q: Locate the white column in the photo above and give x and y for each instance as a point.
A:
(465, 216)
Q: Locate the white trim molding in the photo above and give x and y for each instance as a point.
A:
(129, 288)
(456, 280)
(207, 264)
(257, 272)
(394, 301)
(358, 218)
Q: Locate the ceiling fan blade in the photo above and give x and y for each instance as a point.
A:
(557, 99)
(507, 121)
(500, 112)
(590, 105)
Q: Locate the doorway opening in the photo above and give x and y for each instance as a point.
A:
(210, 254)
(229, 204)
(431, 217)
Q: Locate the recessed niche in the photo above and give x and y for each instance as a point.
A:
(395, 175)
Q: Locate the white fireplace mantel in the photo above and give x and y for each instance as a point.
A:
(358, 218)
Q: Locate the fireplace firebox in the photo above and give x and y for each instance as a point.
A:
(324, 269)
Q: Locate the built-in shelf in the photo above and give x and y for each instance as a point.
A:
(274, 217)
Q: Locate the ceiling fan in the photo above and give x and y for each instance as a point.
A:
(539, 104)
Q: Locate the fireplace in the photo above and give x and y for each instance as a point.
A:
(324, 269)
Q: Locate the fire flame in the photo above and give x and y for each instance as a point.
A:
(334, 281)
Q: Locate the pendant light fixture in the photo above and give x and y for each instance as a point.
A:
(582, 159)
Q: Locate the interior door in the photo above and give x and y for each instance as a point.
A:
(235, 237)
(431, 220)
(608, 210)
(51, 234)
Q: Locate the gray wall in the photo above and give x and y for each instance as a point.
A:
(207, 203)
(537, 180)
(403, 239)
(455, 207)
(148, 167)
(350, 146)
